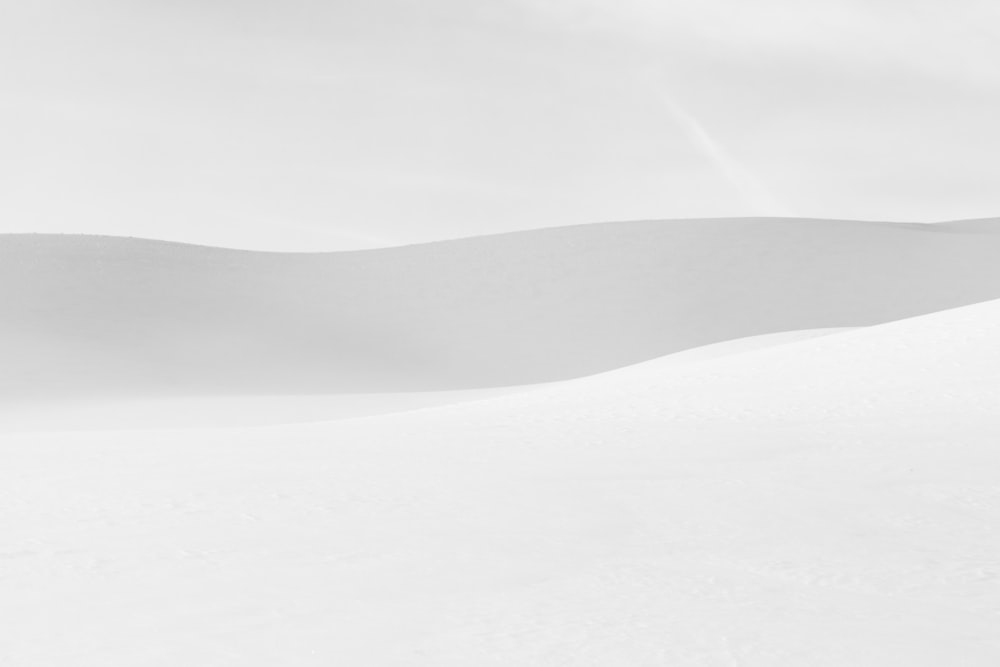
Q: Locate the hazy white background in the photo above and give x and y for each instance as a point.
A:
(307, 124)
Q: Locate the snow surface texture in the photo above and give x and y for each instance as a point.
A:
(827, 502)
(821, 500)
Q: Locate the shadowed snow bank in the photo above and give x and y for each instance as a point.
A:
(87, 316)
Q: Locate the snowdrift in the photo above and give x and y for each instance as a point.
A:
(824, 502)
(104, 316)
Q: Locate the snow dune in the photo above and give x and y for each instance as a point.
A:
(982, 225)
(104, 317)
(264, 410)
(829, 502)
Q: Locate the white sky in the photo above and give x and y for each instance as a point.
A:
(324, 124)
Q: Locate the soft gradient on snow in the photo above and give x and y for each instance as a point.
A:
(96, 317)
(755, 427)
(826, 503)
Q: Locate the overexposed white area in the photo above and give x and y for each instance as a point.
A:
(304, 125)
(88, 317)
(316, 349)
(829, 502)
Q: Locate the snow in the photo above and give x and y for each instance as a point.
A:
(827, 501)
(232, 411)
(94, 318)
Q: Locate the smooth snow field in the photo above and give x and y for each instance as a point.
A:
(96, 317)
(754, 443)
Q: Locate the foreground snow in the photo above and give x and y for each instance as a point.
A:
(827, 502)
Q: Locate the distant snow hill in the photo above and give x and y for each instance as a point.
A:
(105, 316)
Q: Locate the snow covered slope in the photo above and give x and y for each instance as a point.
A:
(115, 413)
(100, 316)
(831, 502)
